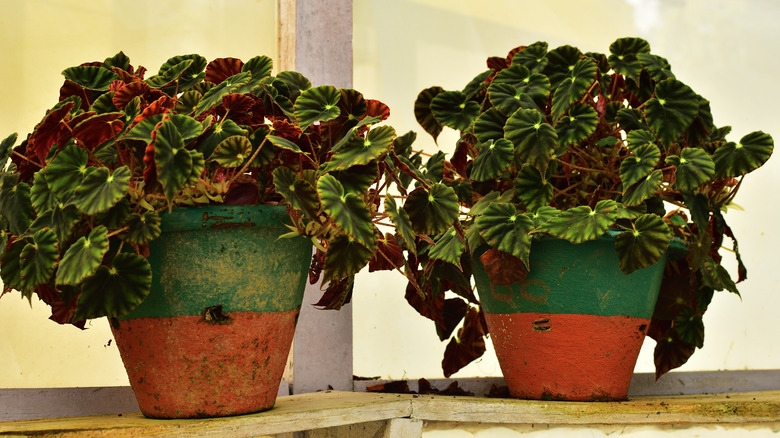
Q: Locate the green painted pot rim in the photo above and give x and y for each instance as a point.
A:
(224, 216)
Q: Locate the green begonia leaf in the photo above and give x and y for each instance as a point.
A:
(260, 67)
(317, 104)
(493, 159)
(578, 125)
(561, 63)
(83, 257)
(453, 109)
(534, 139)
(533, 88)
(193, 74)
(104, 104)
(115, 290)
(232, 151)
(645, 188)
(6, 147)
(63, 219)
(476, 84)
(631, 119)
(284, 143)
(296, 83)
(173, 161)
(15, 203)
(752, 151)
(299, 193)
(400, 219)
(543, 214)
(694, 167)
(432, 211)
(362, 151)
(141, 228)
(507, 99)
(635, 168)
(672, 110)
(657, 66)
(689, 327)
(216, 93)
(100, 189)
(573, 87)
(41, 196)
(644, 245)
(188, 127)
(11, 269)
(347, 210)
(216, 134)
(358, 178)
(716, 276)
(639, 137)
(423, 114)
(169, 73)
(91, 77)
(345, 257)
(532, 189)
(38, 258)
(580, 224)
(532, 57)
(506, 230)
(489, 125)
(623, 56)
(448, 247)
(67, 170)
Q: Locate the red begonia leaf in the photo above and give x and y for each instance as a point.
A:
(283, 128)
(70, 88)
(389, 255)
(338, 293)
(128, 92)
(428, 305)
(468, 345)
(98, 129)
(222, 68)
(375, 108)
(48, 131)
(159, 106)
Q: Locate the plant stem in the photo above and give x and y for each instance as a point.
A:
(115, 232)
(246, 165)
(588, 169)
(26, 159)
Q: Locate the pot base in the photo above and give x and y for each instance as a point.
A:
(567, 356)
(179, 367)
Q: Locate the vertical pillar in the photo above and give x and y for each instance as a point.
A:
(315, 39)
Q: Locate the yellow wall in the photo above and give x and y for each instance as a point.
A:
(39, 39)
(725, 49)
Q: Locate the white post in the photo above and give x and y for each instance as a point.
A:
(315, 39)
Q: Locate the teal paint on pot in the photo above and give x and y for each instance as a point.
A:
(239, 246)
(574, 279)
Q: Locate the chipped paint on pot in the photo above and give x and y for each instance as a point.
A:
(213, 336)
(572, 330)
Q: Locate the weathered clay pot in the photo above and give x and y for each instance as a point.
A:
(213, 336)
(572, 330)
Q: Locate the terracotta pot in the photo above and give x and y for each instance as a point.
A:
(213, 336)
(572, 330)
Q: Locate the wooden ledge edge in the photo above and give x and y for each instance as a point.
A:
(333, 408)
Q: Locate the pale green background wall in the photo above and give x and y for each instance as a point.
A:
(725, 49)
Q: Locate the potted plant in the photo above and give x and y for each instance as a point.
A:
(188, 207)
(570, 168)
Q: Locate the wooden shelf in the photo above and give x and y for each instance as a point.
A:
(406, 415)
